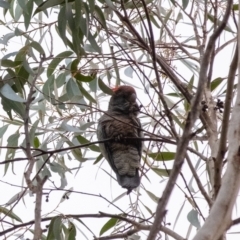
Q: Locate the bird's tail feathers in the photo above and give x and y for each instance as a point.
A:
(129, 182)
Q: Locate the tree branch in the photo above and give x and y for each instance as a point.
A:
(200, 186)
(137, 226)
(218, 163)
(184, 140)
(51, 152)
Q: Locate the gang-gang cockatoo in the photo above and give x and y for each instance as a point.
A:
(118, 122)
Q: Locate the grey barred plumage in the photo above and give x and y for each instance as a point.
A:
(118, 122)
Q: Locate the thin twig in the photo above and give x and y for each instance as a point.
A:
(200, 186)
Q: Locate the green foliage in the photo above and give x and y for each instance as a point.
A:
(193, 218)
(60, 60)
(57, 230)
(215, 83)
(10, 214)
(108, 225)
(162, 156)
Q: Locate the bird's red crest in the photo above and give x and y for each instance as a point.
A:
(124, 88)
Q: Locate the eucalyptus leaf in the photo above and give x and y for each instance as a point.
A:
(152, 196)
(4, 4)
(216, 82)
(100, 16)
(129, 71)
(27, 12)
(12, 141)
(162, 156)
(47, 4)
(57, 226)
(7, 92)
(7, 37)
(16, 197)
(72, 89)
(104, 87)
(3, 129)
(10, 63)
(85, 93)
(54, 63)
(193, 218)
(108, 225)
(83, 140)
(10, 214)
(54, 228)
(9, 105)
(72, 232)
(62, 23)
(32, 132)
(185, 3)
